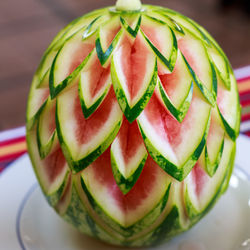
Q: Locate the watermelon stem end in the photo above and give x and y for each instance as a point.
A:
(128, 5)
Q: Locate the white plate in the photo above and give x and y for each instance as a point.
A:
(27, 221)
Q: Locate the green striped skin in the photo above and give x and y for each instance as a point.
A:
(53, 195)
(55, 90)
(231, 132)
(88, 110)
(211, 167)
(178, 172)
(43, 83)
(125, 184)
(195, 214)
(105, 55)
(44, 150)
(78, 165)
(131, 31)
(77, 214)
(132, 113)
(221, 179)
(47, 140)
(127, 231)
(180, 112)
(53, 199)
(169, 62)
(230, 171)
(30, 122)
(202, 34)
(173, 202)
(207, 94)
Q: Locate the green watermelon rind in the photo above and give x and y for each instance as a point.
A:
(62, 36)
(104, 56)
(178, 172)
(44, 81)
(170, 21)
(132, 113)
(131, 31)
(230, 131)
(87, 224)
(45, 148)
(115, 225)
(56, 196)
(180, 112)
(88, 32)
(89, 110)
(125, 184)
(196, 214)
(171, 224)
(209, 96)
(55, 89)
(31, 121)
(230, 171)
(211, 167)
(170, 62)
(179, 105)
(78, 165)
(210, 43)
(53, 196)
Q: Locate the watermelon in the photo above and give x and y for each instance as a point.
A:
(132, 119)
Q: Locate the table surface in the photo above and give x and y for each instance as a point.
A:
(28, 26)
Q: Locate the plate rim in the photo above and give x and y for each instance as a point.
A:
(35, 186)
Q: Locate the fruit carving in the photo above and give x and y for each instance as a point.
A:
(132, 119)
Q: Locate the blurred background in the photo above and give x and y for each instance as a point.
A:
(28, 26)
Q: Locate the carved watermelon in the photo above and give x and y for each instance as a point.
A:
(132, 119)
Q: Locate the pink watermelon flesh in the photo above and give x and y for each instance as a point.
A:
(199, 61)
(130, 139)
(137, 194)
(66, 193)
(215, 130)
(170, 81)
(41, 96)
(54, 165)
(111, 33)
(79, 55)
(44, 96)
(52, 121)
(164, 124)
(220, 97)
(191, 57)
(167, 127)
(87, 128)
(223, 100)
(134, 57)
(155, 38)
(141, 189)
(98, 76)
(200, 178)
